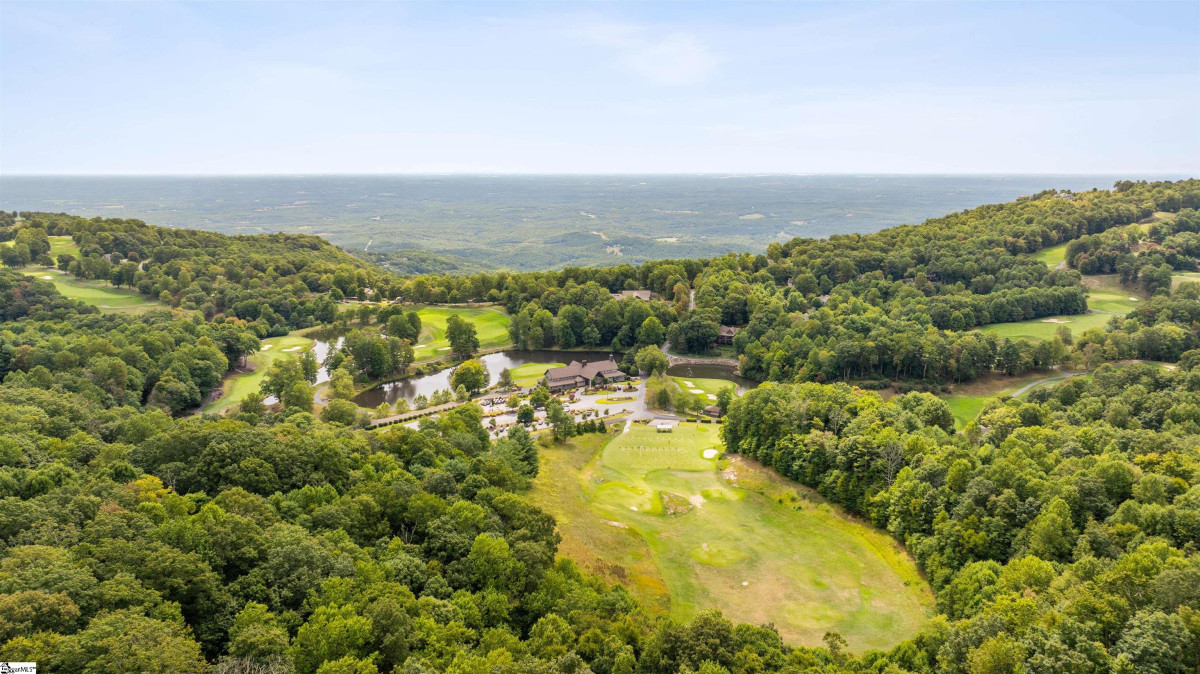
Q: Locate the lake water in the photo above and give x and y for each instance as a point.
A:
(410, 388)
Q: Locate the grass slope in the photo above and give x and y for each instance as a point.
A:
(689, 532)
(490, 324)
(237, 386)
(1053, 256)
(63, 244)
(706, 387)
(531, 373)
(1044, 328)
(96, 293)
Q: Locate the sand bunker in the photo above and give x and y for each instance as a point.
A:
(1055, 320)
(266, 347)
(1131, 299)
(619, 525)
(712, 397)
(696, 500)
(48, 277)
(696, 390)
(292, 348)
(688, 384)
(710, 453)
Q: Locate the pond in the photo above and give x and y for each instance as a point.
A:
(725, 372)
(426, 384)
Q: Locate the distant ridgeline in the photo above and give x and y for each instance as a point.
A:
(1059, 530)
(895, 304)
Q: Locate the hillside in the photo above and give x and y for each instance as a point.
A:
(1058, 530)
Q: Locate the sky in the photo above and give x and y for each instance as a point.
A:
(677, 87)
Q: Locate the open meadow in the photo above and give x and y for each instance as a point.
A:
(688, 530)
(491, 325)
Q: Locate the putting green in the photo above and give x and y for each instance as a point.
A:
(703, 387)
(1113, 301)
(1045, 328)
(491, 325)
(99, 294)
(530, 374)
(238, 386)
(689, 532)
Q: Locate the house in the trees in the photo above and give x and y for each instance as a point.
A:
(583, 374)
(726, 334)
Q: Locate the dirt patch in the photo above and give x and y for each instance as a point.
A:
(619, 525)
(675, 505)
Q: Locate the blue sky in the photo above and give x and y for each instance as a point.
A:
(676, 87)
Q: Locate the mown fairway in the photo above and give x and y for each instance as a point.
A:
(237, 386)
(96, 293)
(1045, 328)
(705, 388)
(491, 326)
(1053, 256)
(687, 532)
(530, 374)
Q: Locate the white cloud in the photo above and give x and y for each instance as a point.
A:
(674, 59)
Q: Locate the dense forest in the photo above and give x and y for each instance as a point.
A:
(1059, 531)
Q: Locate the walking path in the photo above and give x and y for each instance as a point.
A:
(1039, 382)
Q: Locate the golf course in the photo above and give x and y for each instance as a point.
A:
(491, 326)
(687, 529)
(107, 298)
(236, 386)
(531, 373)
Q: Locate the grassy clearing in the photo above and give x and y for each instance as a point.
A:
(490, 324)
(706, 388)
(1053, 256)
(689, 531)
(99, 294)
(531, 373)
(1119, 301)
(1184, 277)
(968, 399)
(63, 244)
(237, 386)
(1045, 328)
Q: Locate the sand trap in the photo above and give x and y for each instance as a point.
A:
(697, 500)
(696, 390)
(266, 347)
(710, 453)
(292, 348)
(712, 397)
(619, 525)
(688, 384)
(48, 277)
(633, 507)
(444, 348)
(1055, 320)
(1131, 299)
(745, 583)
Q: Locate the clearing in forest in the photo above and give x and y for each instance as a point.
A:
(688, 530)
(107, 298)
(491, 325)
(239, 384)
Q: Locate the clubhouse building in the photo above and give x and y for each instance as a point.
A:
(579, 374)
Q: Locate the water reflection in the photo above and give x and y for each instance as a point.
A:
(410, 388)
